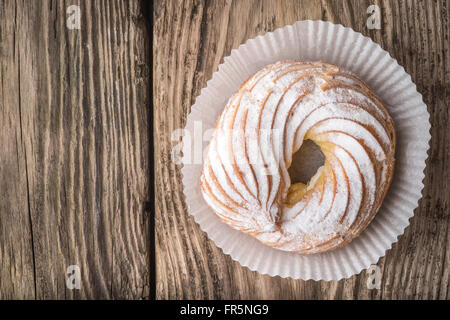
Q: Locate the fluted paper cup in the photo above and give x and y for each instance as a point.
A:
(316, 40)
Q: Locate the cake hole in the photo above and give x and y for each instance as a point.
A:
(305, 162)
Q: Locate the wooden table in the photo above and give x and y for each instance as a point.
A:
(77, 139)
(75, 133)
(191, 38)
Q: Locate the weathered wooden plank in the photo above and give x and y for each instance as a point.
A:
(16, 249)
(191, 38)
(74, 172)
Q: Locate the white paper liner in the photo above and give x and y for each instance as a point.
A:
(319, 40)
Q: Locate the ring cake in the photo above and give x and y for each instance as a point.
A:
(245, 177)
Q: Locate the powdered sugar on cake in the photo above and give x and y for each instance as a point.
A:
(245, 176)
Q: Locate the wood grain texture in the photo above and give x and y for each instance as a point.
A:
(191, 38)
(74, 135)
